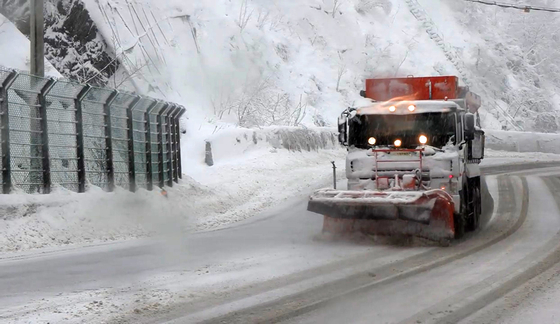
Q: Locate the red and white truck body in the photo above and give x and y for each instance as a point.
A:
(413, 161)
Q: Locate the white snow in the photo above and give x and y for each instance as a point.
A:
(232, 60)
(213, 197)
(535, 302)
(230, 66)
(266, 63)
(240, 190)
(522, 141)
(235, 143)
(64, 217)
(493, 158)
(229, 192)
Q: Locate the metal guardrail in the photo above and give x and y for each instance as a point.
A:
(59, 133)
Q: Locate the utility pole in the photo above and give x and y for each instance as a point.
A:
(37, 36)
(38, 122)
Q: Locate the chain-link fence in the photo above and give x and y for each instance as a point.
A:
(59, 133)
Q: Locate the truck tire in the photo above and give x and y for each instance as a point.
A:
(459, 220)
(474, 222)
(477, 205)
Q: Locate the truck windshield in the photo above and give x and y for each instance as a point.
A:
(437, 127)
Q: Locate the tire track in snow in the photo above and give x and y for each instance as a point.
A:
(477, 297)
(294, 305)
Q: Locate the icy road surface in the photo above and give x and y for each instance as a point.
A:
(276, 268)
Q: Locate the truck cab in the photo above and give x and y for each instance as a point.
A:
(417, 134)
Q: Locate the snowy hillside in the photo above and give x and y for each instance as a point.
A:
(258, 63)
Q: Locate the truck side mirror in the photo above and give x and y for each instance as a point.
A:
(342, 134)
(469, 126)
(363, 94)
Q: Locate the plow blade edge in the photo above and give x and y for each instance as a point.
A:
(427, 214)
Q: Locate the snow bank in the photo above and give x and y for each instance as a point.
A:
(236, 142)
(213, 197)
(522, 142)
(254, 170)
(64, 217)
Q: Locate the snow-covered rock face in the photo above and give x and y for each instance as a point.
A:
(73, 44)
(361, 166)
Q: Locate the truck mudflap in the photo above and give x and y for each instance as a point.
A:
(426, 214)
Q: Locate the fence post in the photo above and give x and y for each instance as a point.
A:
(173, 131)
(178, 126)
(80, 138)
(45, 135)
(131, 155)
(170, 153)
(148, 127)
(109, 140)
(160, 144)
(5, 132)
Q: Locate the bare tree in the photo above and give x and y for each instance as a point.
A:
(400, 65)
(336, 6)
(299, 112)
(341, 70)
(244, 15)
(262, 19)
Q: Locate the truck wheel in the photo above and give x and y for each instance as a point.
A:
(459, 220)
(477, 206)
(474, 222)
(459, 226)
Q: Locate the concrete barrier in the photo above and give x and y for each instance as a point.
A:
(522, 142)
(238, 141)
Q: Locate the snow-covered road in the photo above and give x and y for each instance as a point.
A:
(276, 268)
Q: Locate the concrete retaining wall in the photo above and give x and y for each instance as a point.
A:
(522, 142)
(238, 141)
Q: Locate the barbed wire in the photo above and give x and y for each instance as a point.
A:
(526, 8)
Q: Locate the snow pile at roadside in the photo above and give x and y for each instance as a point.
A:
(239, 141)
(264, 180)
(494, 157)
(64, 217)
(217, 196)
(523, 142)
(246, 179)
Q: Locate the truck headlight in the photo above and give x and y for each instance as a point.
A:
(372, 141)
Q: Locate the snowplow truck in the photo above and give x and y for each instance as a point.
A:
(413, 162)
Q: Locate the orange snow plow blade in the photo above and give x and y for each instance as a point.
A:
(426, 214)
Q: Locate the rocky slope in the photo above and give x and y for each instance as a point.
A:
(73, 43)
